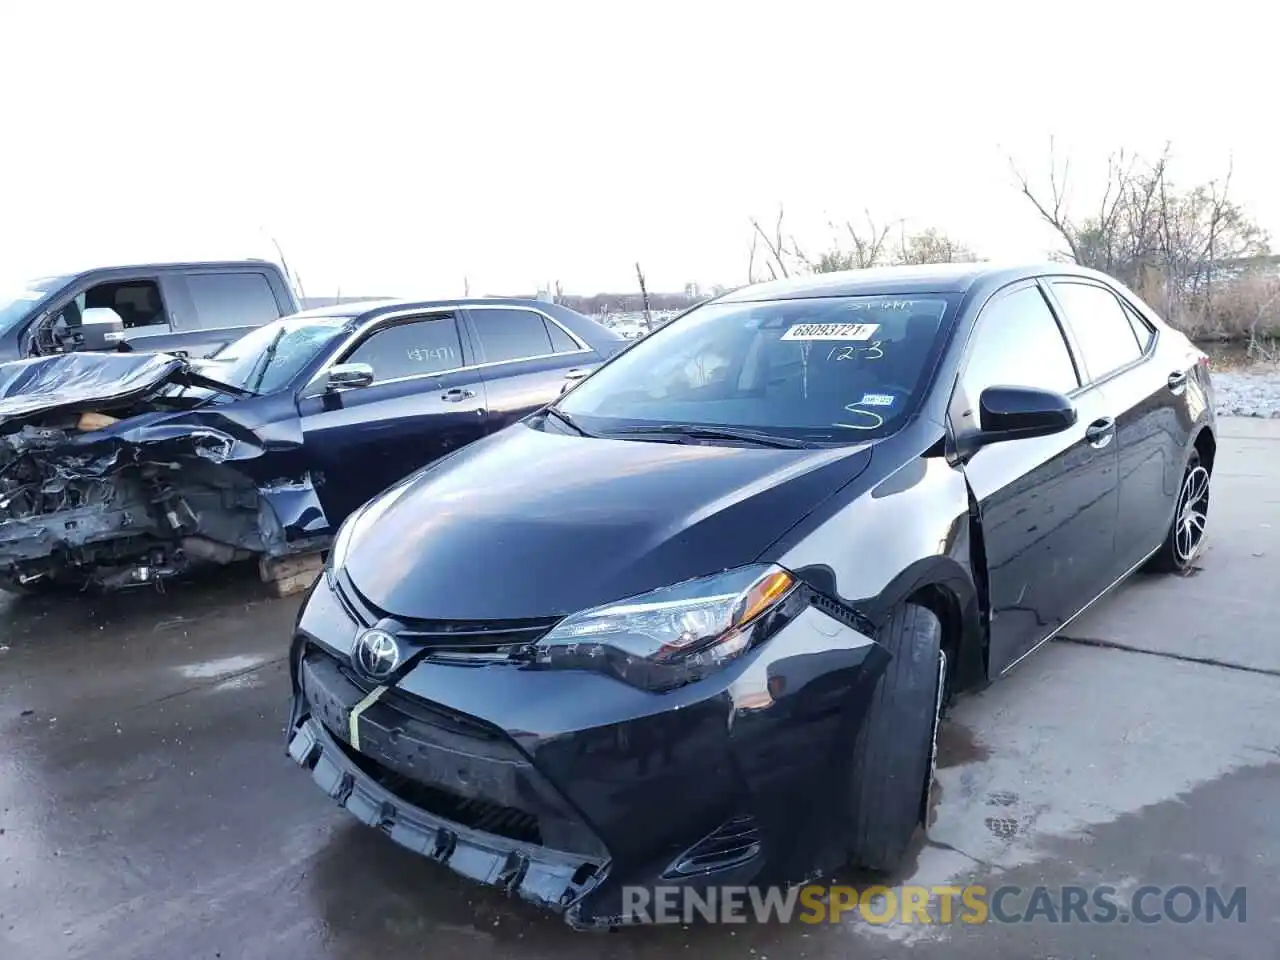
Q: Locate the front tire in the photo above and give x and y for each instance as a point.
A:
(1185, 539)
(893, 754)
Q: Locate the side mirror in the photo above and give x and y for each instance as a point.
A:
(101, 329)
(346, 376)
(1019, 413)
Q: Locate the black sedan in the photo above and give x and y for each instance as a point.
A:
(121, 469)
(694, 624)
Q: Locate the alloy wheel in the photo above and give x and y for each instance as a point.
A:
(1193, 511)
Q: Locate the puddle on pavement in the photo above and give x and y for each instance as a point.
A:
(958, 745)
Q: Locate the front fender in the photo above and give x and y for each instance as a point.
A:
(906, 537)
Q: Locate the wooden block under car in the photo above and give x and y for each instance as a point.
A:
(288, 576)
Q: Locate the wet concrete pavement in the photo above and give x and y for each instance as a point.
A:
(147, 808)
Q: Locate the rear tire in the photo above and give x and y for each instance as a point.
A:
(893, 754)
(1185, 539)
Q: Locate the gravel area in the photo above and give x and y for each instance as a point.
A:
(1248, 393)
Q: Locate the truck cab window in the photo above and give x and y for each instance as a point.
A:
(137, 302)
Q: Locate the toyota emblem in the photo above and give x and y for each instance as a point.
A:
(376, 654)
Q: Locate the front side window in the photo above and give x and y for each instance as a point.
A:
(1018, 343)
(826, 369)
(136, 302)
(411, 349)
(1101, 326)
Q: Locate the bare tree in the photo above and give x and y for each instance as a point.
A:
(867, 245)
(1175, 246)
(644, 295)
(931, 246)
(777, 250)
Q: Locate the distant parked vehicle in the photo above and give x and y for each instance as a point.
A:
(190, 309)
(119, 470)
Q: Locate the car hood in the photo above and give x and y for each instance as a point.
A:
(529, 523)
(74, 382)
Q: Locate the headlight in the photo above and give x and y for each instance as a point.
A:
(673, 635)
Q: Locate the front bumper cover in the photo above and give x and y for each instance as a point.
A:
(735, 779)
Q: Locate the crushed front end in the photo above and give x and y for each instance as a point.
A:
(109, 477)
(569, 787)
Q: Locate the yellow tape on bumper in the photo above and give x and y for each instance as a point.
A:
(353, 722)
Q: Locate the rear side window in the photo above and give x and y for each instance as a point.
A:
(413, 349)
(561, 342)
(1102, 327)
(231, 300)
(512, 335)
(1141, 331)
(1018, 343)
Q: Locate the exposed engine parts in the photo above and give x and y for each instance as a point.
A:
(112, 521)
(120, 470)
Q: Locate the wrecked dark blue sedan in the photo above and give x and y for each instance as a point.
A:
(693, 624)
(122, 469)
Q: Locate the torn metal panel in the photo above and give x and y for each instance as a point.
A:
(46, 386)
(112, 472)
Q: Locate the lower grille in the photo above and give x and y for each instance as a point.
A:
(470, 812)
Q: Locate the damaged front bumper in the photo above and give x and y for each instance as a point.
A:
(566, 788)
(87, 497)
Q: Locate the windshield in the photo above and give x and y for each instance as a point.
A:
(835, 368)
(269, 358)
(18, 299)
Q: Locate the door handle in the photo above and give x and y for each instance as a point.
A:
(457, 395)
(1177, 380)
(577, 373)
(1101, 432)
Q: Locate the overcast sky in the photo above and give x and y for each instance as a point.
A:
(399, 147)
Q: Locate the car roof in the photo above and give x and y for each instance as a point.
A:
(369, 309)
(925, 278)
(248, 264)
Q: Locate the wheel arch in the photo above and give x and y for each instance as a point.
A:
(1206, 444)
(961, 632)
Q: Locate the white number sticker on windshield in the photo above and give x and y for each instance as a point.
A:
(876, 400)
(831, 331)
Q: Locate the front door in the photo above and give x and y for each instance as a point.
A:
(1048, 504)
(424, 402)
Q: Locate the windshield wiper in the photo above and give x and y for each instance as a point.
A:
(700, 431)
(268, 355)
(567, 420)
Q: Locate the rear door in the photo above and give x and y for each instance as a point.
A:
(526, 358)
(1047, 505)
(211, 308)
(1118, 348)
(425, 401)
